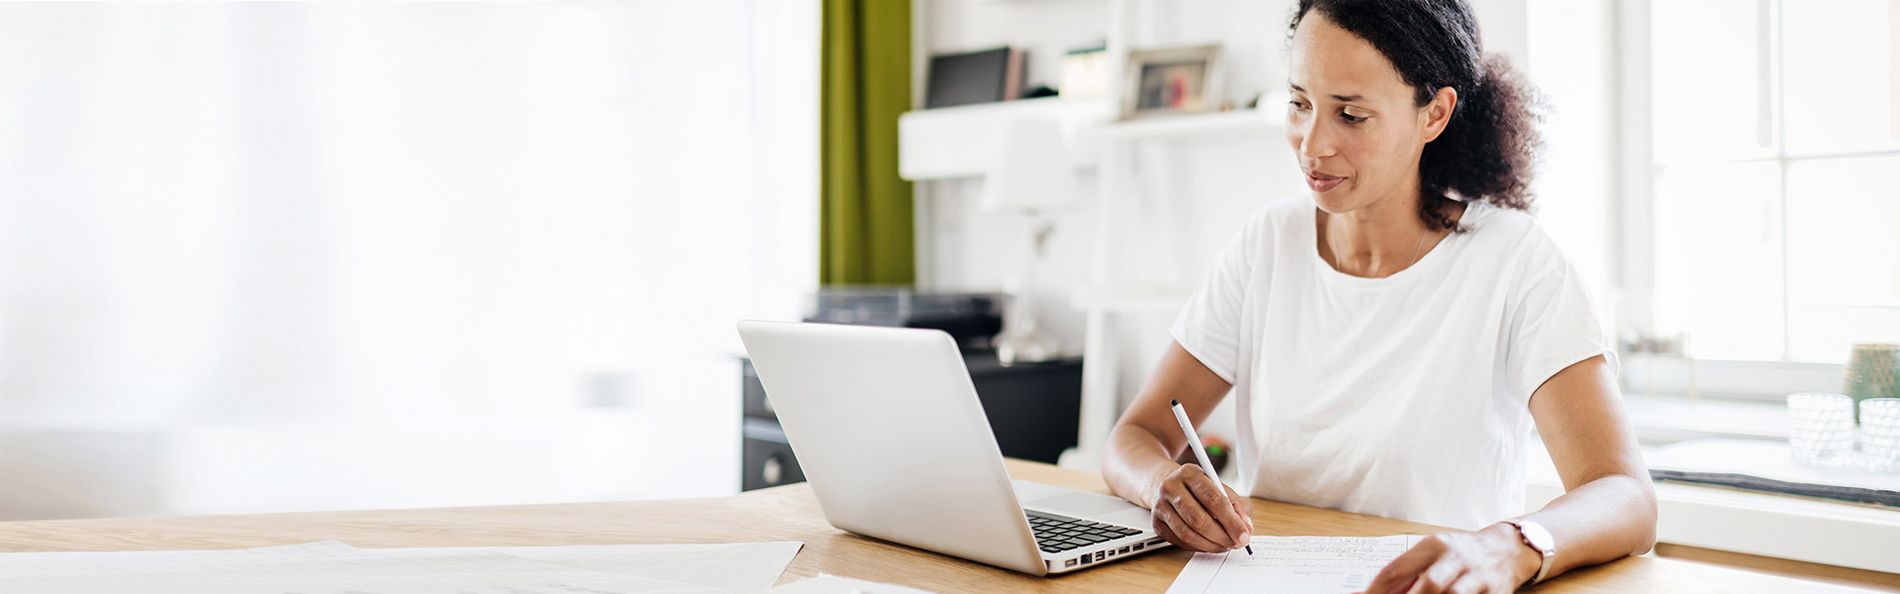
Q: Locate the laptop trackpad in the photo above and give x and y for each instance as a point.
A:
(1092, 507)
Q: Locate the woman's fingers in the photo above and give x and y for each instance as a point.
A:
(1213, 497)
(1242, 507)
(1196, 516)
(1167, 533)
(1438, 578)
(1246, 538)
(1468, 584)
(1168, 522)
(1401, 573)
(1199, 513)
(1452, 563)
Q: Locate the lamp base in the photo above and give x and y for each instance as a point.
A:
(1024, 346)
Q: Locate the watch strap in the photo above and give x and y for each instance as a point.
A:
(1544, 552)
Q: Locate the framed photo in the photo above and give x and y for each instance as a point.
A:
(1171, 81)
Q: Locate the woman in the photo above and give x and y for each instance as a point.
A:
(1392, 338)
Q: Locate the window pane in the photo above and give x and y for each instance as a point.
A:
(1837, 61)
(1707, 94)
(1826, 335)
(1843, 255)
(1718, 259)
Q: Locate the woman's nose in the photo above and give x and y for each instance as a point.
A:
(1315, 139)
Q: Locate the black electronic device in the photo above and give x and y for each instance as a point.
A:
(983, 76)
(973, 319)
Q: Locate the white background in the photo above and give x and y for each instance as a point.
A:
(264, 256)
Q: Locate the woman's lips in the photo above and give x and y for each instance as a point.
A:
(1321, 182)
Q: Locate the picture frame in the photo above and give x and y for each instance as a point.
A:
(1170, 81)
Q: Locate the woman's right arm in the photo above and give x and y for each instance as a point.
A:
(1189, 509)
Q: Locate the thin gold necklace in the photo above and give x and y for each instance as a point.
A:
(1417, 252)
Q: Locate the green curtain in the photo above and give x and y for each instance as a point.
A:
(865, 228)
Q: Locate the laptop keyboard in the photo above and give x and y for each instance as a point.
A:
(1055, 534)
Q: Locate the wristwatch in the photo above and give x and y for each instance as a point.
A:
(1538, 539)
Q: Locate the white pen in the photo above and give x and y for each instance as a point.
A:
(1200, 453)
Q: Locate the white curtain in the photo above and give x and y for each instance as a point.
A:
(271, 256)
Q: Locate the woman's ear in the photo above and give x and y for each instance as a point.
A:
(1437, 113)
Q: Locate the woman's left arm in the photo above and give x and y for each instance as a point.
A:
(1608, 509)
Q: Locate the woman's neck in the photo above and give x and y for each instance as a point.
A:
(1376, 240)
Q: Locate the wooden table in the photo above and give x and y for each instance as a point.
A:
(791, 513)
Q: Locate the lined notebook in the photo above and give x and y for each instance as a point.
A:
(1293, 565)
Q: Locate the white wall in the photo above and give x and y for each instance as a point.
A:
(274, 257)
(1220, 181)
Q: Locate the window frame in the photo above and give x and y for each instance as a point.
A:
(1634, 235)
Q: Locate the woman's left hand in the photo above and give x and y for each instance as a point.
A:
(1493, 560)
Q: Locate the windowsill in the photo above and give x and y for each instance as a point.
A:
(1786, 527)
(1663, 377)
(1768, 525)
(1662, 420)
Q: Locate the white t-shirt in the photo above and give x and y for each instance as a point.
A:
(1406, 396)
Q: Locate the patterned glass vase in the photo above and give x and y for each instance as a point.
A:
(1873, 371)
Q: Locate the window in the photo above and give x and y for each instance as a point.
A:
(1773, 148)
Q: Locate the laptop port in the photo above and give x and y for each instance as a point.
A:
(1098, 555)
(1138, 546)
(1124, 550)
(1069, 563)
(1085, 559)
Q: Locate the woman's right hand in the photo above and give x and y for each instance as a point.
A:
(1198, 514)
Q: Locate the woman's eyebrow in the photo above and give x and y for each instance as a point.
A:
(1342, 98)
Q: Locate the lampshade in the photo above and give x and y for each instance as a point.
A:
(1032, 171)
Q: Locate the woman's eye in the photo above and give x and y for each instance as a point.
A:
(1295, 104)
(1351, 119)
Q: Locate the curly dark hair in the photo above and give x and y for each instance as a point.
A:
(1489, 147)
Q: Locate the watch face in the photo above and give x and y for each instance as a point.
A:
(1538, 537)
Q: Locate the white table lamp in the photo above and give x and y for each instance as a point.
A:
(1032, 175)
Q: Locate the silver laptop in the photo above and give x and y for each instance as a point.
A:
(888, 430)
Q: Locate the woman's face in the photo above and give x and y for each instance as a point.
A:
(1352, 123)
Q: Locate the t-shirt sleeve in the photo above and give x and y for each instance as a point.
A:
(1209, 326)
(1554, 325)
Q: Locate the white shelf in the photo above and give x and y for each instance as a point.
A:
(962, 141)
(1240, 122)
(1129, 298)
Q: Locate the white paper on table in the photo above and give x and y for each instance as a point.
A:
(304, 573)
(825, 583)
(736, 567)
(335, 568)
(1293, 565)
